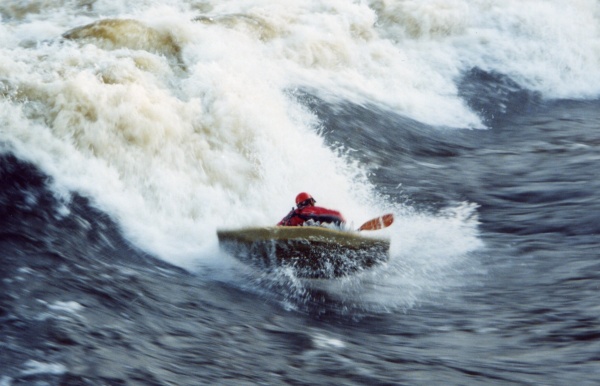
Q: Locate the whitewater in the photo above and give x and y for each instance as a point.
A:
(130, 133)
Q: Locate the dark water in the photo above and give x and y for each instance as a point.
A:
(530, 316)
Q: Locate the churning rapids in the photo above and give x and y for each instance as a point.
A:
(131, 132)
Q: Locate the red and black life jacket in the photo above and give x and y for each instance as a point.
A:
(317, 214)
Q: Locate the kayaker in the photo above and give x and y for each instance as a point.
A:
(308, 214)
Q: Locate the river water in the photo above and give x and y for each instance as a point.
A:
(130, 133)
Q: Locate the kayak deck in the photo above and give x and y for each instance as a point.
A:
(313, 252)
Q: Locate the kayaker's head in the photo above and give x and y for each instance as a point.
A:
(304, 199)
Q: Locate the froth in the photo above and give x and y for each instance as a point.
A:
(171, 158)
(178, 120)
(409, 55)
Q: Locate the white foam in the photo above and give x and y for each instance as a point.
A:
(6, 381)
(33, 367)
(70, 306)
(431, 258)
(322, 341)
(178, 127)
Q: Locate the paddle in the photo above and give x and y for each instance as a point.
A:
(378, 223)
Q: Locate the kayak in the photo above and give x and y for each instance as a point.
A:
(312, 251)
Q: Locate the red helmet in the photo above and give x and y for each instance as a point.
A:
(304, 199)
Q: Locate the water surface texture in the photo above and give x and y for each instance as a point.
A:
(130, 132)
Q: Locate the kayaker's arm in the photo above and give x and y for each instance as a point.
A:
(286, 219)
